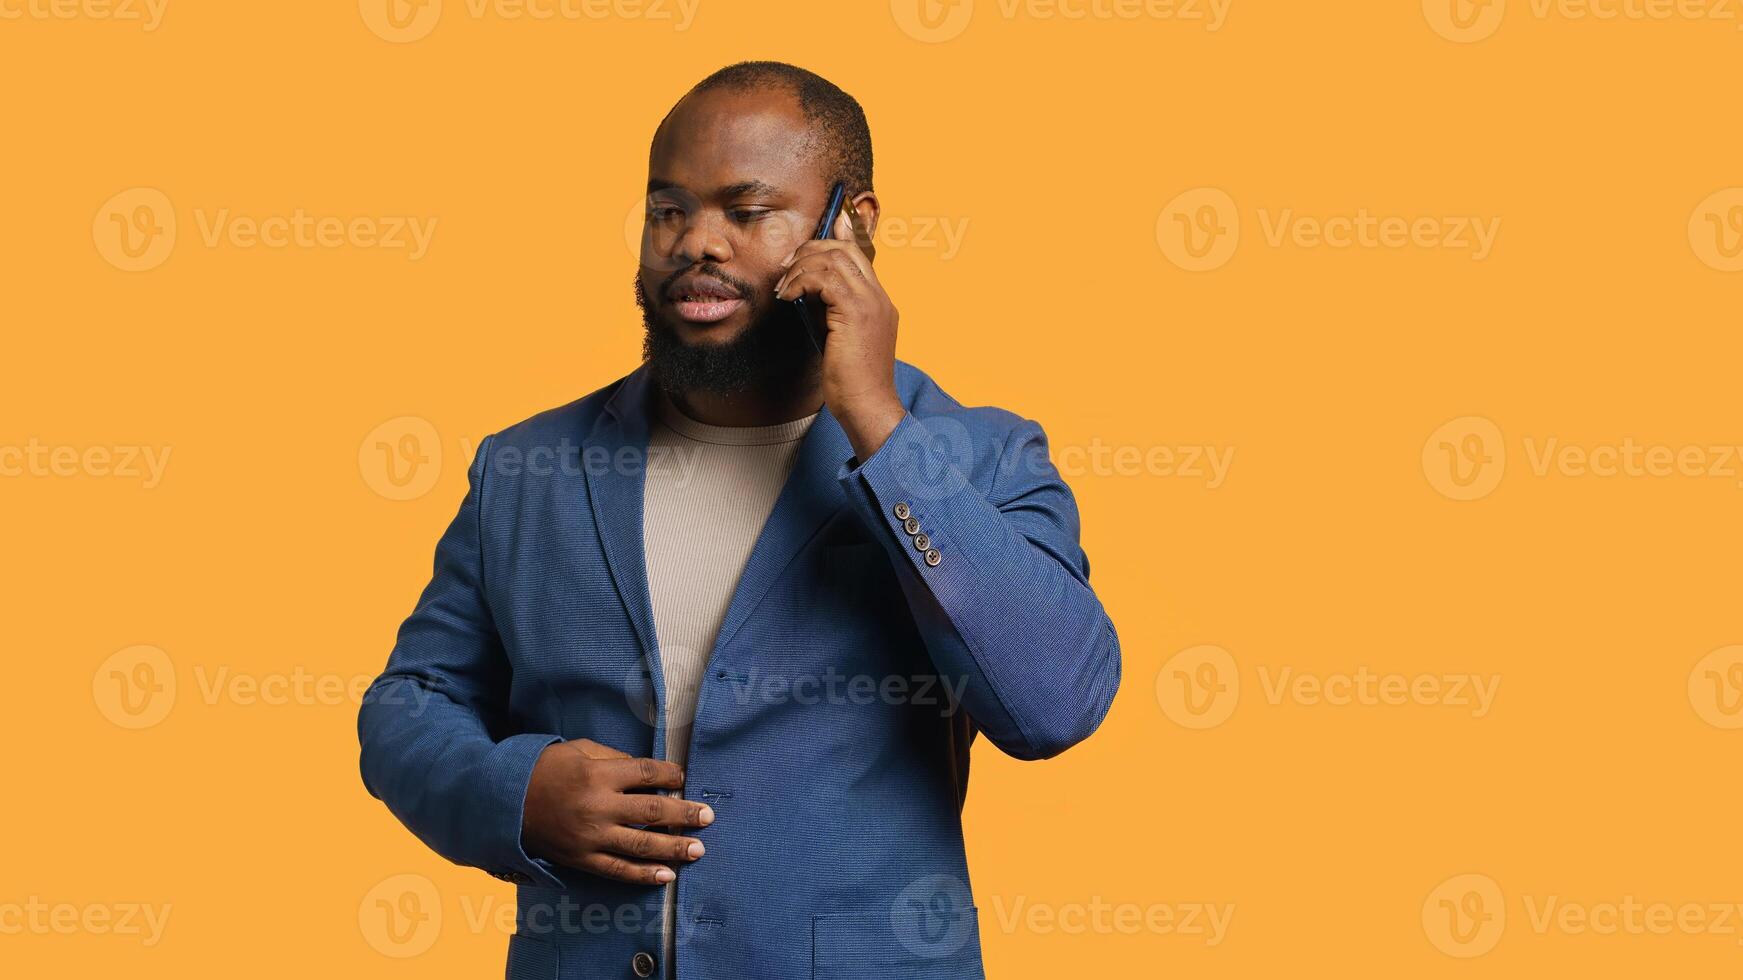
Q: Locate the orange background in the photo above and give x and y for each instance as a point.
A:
(271, 549)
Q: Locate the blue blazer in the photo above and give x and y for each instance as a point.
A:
(891, 609)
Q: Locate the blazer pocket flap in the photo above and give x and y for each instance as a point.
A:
(929, 943)
(531, 959)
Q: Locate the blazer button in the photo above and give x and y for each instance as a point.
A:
(642, 964)
(902, 511)
(933, 557)
(922, 542)
(911, 525)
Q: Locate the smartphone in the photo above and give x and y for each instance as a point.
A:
(812, 312)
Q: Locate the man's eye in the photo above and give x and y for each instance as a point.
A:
(664, 212)
(747, 215)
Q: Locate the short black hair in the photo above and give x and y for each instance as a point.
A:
(838, 122)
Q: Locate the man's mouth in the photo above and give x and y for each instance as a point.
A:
(705, 301)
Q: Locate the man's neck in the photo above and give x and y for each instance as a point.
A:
(748, 408)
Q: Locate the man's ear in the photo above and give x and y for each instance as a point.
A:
(866, 210)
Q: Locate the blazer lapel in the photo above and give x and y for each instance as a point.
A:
(614, 457)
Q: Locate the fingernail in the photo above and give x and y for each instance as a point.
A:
(706, 815)
(665, 875)
(696, 849)
(788, 260)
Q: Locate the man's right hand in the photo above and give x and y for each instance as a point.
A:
(586, 804)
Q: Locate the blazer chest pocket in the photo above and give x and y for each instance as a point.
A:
(851, 566)
(904, 944)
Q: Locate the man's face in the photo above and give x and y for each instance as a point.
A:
(733, 188)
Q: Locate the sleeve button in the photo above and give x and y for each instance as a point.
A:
(902, 511)
(933, 557)
(922, 542)
(911, 526)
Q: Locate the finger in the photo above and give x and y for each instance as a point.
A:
(647, 809)
(792, 271)
(593, 750)
(827, 284)
(836, 263)
(644, 845)
(630, 773)
(848, 250)
(855, 254)
(618, 869)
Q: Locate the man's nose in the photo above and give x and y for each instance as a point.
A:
(703, 240)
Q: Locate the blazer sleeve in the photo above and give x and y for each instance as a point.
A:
(431, 726)
(1007, 608)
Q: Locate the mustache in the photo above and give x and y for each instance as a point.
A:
(709, 270)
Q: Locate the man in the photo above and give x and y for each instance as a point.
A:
(704, 651)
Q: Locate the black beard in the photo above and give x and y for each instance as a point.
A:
(772, 357)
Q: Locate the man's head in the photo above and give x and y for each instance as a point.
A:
(738, 176)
